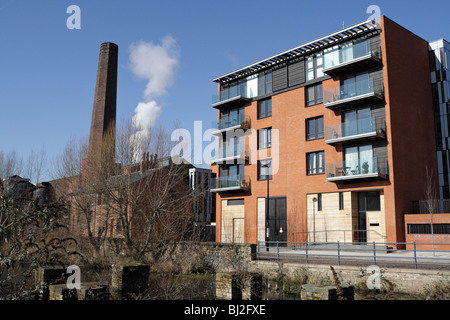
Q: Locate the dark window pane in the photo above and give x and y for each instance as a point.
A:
(235, 202)
(373, 201)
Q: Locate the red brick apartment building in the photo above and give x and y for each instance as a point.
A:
(338, 132)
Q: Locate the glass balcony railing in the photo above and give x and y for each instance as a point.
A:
(228, 122)
(355, 128)
(357, 168)
(233, 182)
(349, 53)
(353, 90)
(230, 153)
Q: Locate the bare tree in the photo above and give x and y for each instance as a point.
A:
(142, 205)
(431, 202)
(10, 164)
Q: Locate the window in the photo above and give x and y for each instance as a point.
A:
(314, 128)
(341, 201)
(373, 201)
(319, 202)
(265, 138)
(265, 82)
(422, 228)
(314, 95)
(231, 117)
(265, 169)
(315, 162)
(359, 159)
(235, 202)
(357, 121)
(234, 89)
(314, 66)
(264, 108)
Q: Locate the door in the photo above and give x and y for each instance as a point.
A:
(277, 221)
(362, 218)
(238, 230)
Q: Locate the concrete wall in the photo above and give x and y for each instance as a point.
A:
(407, 281)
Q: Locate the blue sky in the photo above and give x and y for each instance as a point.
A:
(48, 72)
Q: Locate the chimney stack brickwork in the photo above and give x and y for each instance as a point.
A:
(104, 110)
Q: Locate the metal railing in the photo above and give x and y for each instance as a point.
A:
(436, 205)
(345, 236)
(358, 253)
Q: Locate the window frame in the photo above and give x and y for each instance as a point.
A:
(317, 167)
(267, 113)
(317, 99)
(316, 135)
(270, 175)
(268, 143)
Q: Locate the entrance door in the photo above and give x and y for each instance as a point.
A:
(362, 222)
(278, 221)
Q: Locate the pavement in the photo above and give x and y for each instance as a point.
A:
(351, 254)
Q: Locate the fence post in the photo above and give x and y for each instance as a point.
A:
(278, 252)
(415, 256)
(339, 254)
(306, 251)
(374, 254)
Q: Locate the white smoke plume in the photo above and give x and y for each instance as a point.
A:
(156, 64)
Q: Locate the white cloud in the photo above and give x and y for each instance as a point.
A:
(156, 64)
(146, 114)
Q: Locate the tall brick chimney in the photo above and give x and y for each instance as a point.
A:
(103, 125)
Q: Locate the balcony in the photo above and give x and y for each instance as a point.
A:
(230, 183)
(231, 154)
(352, 58)
(233, 98)
(359, 91)
(361, 129)
(360, 169)
(231, 124)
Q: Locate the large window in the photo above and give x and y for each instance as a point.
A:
(357, 121)
(315, 162)
(314, 128)
(359, 159)
(265, 169)
(314, 66)
(314, 95)
(265, 138)
(265, 82)
(264, 108)
(233, 89)
(231, 117)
